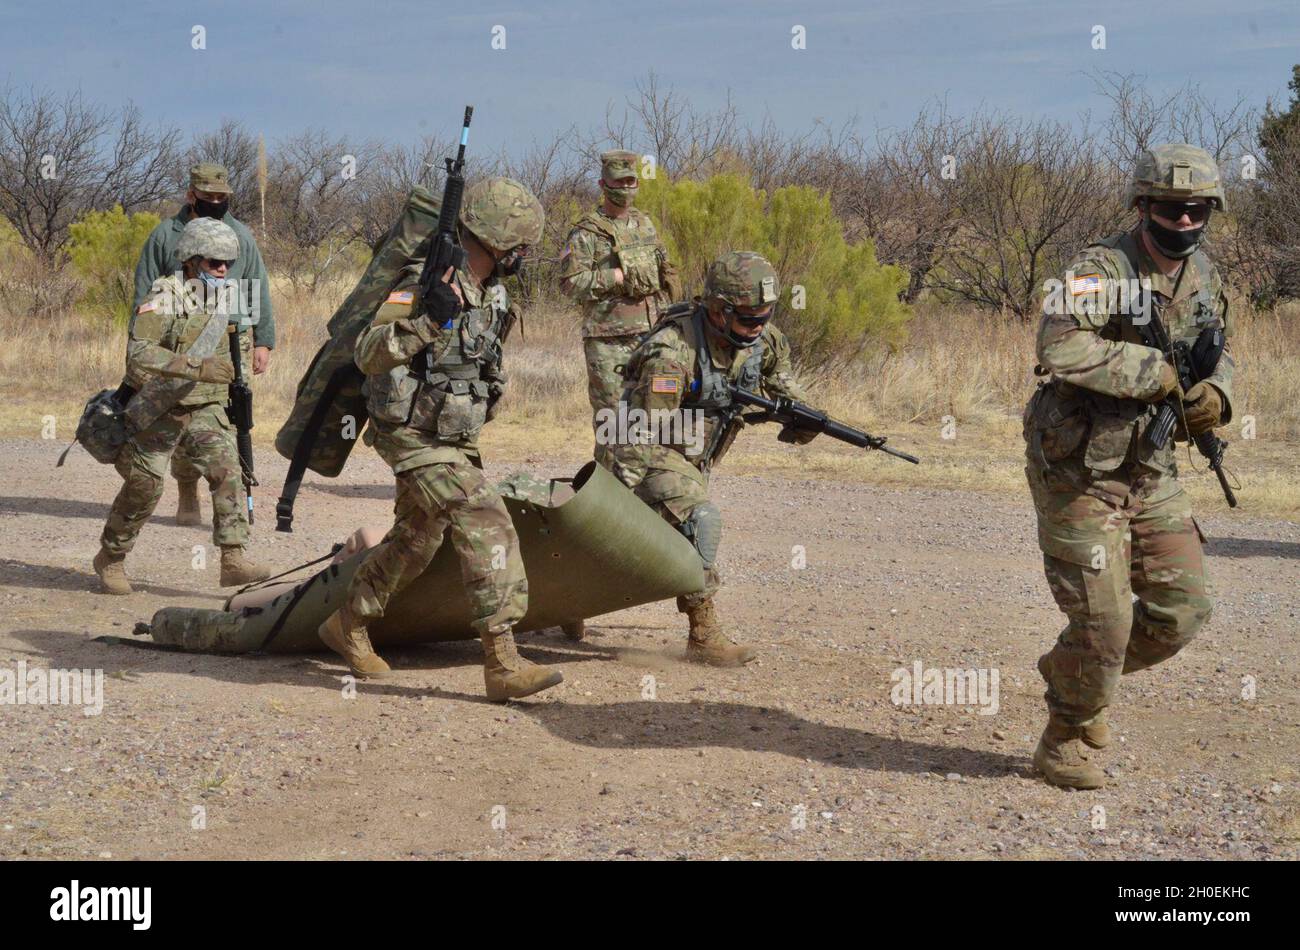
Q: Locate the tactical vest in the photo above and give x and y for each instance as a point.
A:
(637, 249)
(447, 393)
(1061, 416)
(709, 392)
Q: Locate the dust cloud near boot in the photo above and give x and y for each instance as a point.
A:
(187, 507)
(237, 570)
(708, 644)
(507, 675)
(111, 569)
(1061, 759)
(350, 640)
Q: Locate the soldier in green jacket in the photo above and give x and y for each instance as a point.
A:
(433, 380)
(617, 270)
(178, 367)
(1113, 521)
(208, 197)
(681, 371)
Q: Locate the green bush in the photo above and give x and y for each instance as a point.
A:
(850, 301)
(104, 247)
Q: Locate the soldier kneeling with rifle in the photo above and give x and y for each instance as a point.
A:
(709, 361)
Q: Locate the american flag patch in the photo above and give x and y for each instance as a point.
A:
(1087, 284)
(663, 384)
(400, 296)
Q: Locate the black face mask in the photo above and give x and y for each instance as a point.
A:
(1175, 244)
(509, 266)
(211, 209)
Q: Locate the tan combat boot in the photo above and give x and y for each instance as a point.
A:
(342, 634)
(1096, 734)
(237, 570)
(708, 644)
(575, 631)
(111, 569)
(1061, 758)
(187, 508)
(507, 675)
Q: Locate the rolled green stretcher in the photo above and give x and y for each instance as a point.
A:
(589, 547)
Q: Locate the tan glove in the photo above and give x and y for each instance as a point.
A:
(1203, 408)
(216, 369)
(1168, 382)
(796, 436)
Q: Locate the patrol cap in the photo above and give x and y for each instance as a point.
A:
(209, 176)
(743, 279)
(618, 163)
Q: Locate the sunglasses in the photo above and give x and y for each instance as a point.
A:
(214, 264)
(1173, 210)
(746, 319)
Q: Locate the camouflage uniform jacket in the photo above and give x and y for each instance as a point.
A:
(667, 372)
(1094, 407)
(165, 325)
(418, 418)
(597, 245)
(158, 258)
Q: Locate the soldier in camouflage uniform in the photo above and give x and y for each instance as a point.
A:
(433, 378)
(684, 366)
(617, 270)
(179, 374)
(1113, 521)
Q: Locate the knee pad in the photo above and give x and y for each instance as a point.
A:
(704, 530)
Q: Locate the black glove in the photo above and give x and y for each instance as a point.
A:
(793, 435)
(441, 304)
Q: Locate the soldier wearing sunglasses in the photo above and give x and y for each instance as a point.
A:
(1121, 550)
(683, 368)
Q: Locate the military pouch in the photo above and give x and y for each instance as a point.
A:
(1054, 426)
(390, 397)
(640, 270)
(455, 410)
(1114, 423)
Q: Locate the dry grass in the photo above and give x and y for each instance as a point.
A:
(972, 367)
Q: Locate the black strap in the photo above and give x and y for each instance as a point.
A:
(265, 582)
(288, 609)
(302, 451)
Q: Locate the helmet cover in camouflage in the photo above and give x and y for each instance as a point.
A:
(1176, 172)
(209, 176)
(618, 163)
(207, 237)
(743, 279)
(502, 213)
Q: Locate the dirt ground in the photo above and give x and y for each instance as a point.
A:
(800, 755)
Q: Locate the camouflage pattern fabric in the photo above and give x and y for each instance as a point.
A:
(142, 464)
(209, 176)
(618, 163)
(606, 359)
(1102, 373)
(1176, 172)
(742, 279)
(502, 213)
(1113, 521)
(597, 246)
(431, 500)
(406, 245)
(662, 371)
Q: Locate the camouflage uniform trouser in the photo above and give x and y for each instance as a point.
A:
(1104, 541)
(606, 357)
(431, 499)
(187, 465)
(675, 497)
(142, 463)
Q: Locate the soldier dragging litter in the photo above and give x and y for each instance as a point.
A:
(1113, 521)
(433, 379)
(178, 381)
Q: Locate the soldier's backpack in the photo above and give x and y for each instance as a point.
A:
(329, 409)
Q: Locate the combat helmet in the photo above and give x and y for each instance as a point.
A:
(1176, 172)
(742, 279)
(502, 213)
(207, 237)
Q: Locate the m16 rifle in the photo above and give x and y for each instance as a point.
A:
(798, 416)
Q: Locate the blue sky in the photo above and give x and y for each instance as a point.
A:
(395, 70)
